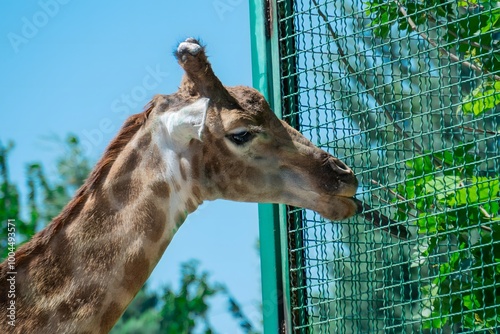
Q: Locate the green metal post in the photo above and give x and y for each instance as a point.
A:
(273, 249)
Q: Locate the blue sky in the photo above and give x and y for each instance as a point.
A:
(83, 66)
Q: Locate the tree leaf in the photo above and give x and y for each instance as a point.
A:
(482, 99)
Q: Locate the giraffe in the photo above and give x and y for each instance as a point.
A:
(205, 141)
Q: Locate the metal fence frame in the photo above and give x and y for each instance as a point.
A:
(384, 277)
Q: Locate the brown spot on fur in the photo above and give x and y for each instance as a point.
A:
(150, 221)
(215, 165)
(205, 151)
(154, 160)
(41, 320)
(160, 189)
(99, 256)
(65, 310)
(110, 316)
(190, 205)
(173, 101)
(164, 244)
(100, 219)
(124, 190)
(61, 245)
(144, 141)
(197, 193)
(136, 272)
(102, 205)
(212, 168)
(85, 302)
(131, 161)
(195, 167)
(222, 148)
(50, 282)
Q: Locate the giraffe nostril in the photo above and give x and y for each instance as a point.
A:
(340, 167)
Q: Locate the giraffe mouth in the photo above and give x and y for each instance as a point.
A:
(336, 207)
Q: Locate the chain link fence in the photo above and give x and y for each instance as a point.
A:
(407, 94)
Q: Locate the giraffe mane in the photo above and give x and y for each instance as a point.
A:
(75, 205)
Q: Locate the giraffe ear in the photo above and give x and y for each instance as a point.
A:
(187, 123)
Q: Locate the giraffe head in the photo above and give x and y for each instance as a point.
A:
(239, 150)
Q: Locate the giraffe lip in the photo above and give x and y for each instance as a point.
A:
(351, 199)
(354, 199)
(338, 207)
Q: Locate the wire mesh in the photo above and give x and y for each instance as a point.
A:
(406, 93)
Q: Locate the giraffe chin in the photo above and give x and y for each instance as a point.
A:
(337, 208)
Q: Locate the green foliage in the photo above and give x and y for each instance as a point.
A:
(146, 322)
(455, 204)
(141, 316)
(483, 98)
(9, 195)
(181, 310)
(470, 28)
(451, 202)
(237, 313)
(9, 199)
(72, 170)
(46, 196)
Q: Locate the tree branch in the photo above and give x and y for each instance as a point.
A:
(363, 83)
(450, 55)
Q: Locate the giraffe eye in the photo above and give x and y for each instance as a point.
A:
(240, 138)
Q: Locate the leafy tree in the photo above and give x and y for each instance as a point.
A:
(9, 198)
(451, 200)
(141, 316)
(46, 196)
(455, 194)
(179, 312)
(470, 36)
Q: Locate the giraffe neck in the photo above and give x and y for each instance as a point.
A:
(90, 269)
